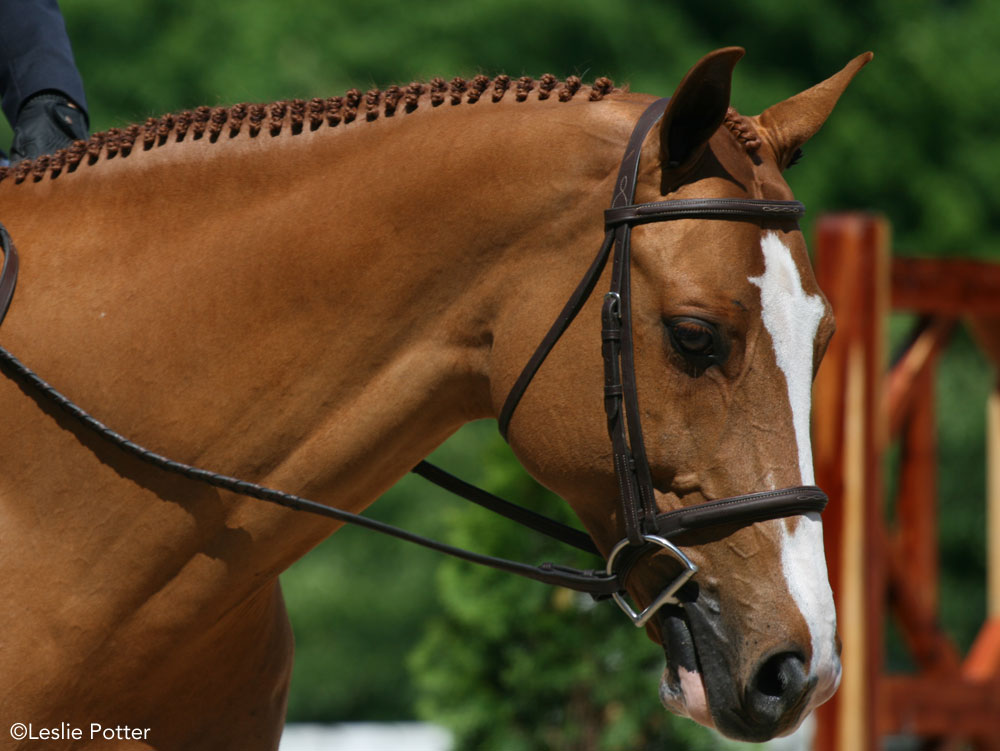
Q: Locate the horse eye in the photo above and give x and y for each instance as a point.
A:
(692, 338)
(697, 341)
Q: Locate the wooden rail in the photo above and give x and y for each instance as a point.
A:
(882, 567)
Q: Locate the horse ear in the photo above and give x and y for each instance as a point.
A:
(789, 124)
(698, 107)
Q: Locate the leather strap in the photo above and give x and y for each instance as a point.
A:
(628, 172)
(742, 510)
(596, 583)
(624, 190)
(630, 461)
(703, 208)
(8, 275)
(562, 322)
(523, 516)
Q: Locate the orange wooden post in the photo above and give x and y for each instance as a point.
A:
(850, 435)
(993, 514)
(947, 701)
(916, 543)
(982, 665)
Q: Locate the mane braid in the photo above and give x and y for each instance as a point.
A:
(297, 115)
(743, 130)
(352, 99)
(393, 95)
(315, 111)
(438, 89)
(456, 88)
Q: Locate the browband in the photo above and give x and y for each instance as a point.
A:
(703, 208)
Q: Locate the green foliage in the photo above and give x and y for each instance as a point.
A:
(357, 604)
(962, 389)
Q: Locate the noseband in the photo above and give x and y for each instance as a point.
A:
(645, 528)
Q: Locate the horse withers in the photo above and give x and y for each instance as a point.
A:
(313, 295)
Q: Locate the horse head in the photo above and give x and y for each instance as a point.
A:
(728, 327)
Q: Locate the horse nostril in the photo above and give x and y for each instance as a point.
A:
(779, 689)
(779, 673)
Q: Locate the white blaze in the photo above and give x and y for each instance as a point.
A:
(792, 318)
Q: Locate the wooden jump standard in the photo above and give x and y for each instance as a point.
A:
(881, 566)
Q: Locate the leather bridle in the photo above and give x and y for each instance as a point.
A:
(645, 528)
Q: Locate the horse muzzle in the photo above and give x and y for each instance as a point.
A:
(703, 679)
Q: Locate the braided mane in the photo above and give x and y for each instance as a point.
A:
(297, 115)
(742, 130)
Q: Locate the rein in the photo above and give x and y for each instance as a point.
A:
(645, 528)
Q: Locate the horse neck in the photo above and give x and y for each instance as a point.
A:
(438, 217)
(340, 288)
(452, 211)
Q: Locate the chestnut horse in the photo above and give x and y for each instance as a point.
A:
(314, 295)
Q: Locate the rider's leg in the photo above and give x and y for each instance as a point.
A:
(43, 94)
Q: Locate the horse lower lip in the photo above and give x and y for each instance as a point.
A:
(678, 643)
(682, 690)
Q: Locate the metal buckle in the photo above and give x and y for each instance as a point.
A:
(667, 595)
(616, 303)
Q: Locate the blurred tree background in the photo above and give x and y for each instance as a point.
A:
(387, 632)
